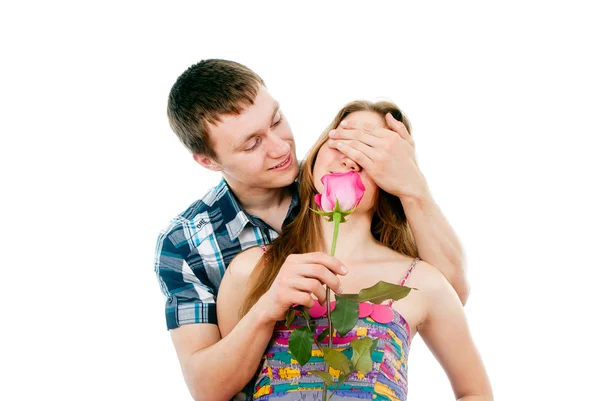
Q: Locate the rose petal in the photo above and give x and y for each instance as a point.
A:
(318, 200)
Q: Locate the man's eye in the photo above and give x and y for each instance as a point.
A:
(277, 120)
(256, 143)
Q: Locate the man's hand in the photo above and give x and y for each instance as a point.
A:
(301, 277)
(387, 155)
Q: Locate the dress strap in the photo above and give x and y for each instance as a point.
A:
(406, 276)
(412, 266)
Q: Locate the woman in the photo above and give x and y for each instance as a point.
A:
(374, 244)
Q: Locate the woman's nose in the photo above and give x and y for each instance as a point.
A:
(350, 164)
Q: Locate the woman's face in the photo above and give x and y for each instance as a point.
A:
(330, 160)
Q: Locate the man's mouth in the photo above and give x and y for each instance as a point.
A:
(283, 163)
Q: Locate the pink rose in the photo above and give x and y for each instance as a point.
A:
(347, 188)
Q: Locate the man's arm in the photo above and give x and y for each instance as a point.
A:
(437, 242)
(215, 368)
(388, 156)
(210, 366)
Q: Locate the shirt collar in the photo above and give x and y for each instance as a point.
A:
(235, 217)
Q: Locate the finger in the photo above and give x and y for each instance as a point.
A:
(368, 138)
(324, 259)
(365, 126)
(301, 298)
(359, 152)
(399, 128)
(320, 273)
(311, 286)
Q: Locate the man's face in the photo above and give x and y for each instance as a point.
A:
(252, 146)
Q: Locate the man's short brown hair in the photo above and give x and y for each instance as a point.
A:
(204, 92)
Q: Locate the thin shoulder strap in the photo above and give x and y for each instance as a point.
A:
(264, 248)
(410, 269)
(406, 276)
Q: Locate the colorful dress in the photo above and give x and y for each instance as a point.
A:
(282, 378)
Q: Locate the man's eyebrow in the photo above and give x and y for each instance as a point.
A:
(249, 136)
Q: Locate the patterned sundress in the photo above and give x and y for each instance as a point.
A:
(282, 378)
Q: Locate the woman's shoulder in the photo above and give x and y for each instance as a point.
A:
(428, 279)
(244, 262)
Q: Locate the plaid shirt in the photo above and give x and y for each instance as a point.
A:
(194, 250)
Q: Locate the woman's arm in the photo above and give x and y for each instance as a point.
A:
(446, 333)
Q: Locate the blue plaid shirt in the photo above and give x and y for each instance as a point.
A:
(194, 250)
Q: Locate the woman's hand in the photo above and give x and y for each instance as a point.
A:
(301, 277)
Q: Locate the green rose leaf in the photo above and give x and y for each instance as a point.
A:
(323, 335)
(374, 346)
(337, 360)
(289, 317)
(361, 355)
(323, 375)
(382, 291)
(303, 311)
(342, 379)
(301, 341)
(345, 314)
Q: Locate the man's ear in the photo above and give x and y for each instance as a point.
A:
(207, 162)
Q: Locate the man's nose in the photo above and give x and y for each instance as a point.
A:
(278, 147)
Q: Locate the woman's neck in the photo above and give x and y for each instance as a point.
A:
(354, 237)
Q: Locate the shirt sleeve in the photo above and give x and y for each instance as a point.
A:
(188, 299)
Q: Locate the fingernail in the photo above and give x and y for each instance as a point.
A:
(344, 270)
(331, 142)
(332, 133)
(344, 123)
(340, 290)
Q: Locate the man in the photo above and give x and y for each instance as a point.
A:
(223, 113)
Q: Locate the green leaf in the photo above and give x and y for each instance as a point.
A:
(342, 379)
(345, 314)
(304, 312)
(327, 378)
(289, 317)
(337, 360)
(382, 291)
(323, 335)
(374, 346)
(301, 341)
(361, 355)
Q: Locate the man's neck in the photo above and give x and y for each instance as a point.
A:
(261, 201)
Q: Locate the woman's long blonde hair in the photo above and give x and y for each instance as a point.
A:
(303, 235)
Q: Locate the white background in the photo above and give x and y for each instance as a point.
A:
(503, 98)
